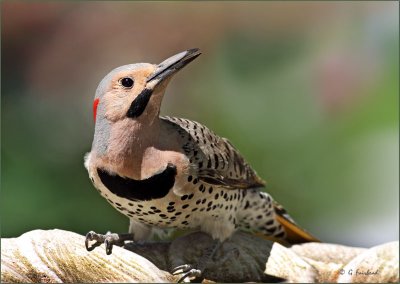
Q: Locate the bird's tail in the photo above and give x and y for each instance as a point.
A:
(254, 204)
(294, 234)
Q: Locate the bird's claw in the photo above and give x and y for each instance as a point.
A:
(92, 236)
(184, 268)
(109, 245)
(109, 240)
(187, 270)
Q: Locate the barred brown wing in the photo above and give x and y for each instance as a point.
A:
(213, 159)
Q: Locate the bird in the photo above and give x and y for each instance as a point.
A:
(167, 173)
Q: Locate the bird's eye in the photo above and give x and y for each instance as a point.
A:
(127, 82)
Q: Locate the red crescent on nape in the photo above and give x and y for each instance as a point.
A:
(95, 104)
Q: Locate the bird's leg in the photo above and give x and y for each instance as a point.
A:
(109, 239)
(189, 271)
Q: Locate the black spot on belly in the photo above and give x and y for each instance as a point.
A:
(154, 187)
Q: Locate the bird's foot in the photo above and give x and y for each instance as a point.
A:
(188, 272)
(109, 240)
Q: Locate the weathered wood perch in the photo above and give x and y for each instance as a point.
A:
(60, 256)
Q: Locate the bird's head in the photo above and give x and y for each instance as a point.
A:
(134, 92)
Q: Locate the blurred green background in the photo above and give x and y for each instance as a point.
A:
(308, 91)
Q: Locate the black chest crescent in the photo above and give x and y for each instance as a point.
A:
(154, 187)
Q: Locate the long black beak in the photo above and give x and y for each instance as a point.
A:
(163, 71)
(173, 64)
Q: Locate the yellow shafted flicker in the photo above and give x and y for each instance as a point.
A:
(168, 172)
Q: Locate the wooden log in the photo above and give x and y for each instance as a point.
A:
(60, 256)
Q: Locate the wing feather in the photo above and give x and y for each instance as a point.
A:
(214, 160)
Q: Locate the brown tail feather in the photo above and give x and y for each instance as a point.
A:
(294, 233)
